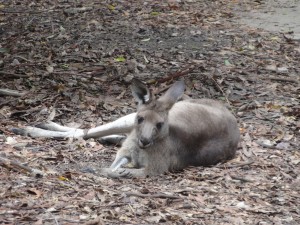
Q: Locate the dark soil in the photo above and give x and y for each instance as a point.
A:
(76, 58)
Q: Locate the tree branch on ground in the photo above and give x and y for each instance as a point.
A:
(11, 164)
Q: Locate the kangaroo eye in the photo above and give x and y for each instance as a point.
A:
(159, 125)
(140, 120)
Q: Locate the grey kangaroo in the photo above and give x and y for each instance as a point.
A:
(170, 135)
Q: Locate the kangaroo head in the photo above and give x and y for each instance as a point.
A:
(151, 122)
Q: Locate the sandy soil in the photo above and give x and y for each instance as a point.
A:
(275, 15)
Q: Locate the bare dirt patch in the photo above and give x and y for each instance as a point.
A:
(274, 15)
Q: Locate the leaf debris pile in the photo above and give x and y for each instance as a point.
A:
(72, 62)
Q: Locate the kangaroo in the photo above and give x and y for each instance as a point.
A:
(170, 135)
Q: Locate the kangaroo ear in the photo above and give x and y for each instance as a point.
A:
(173, 94)
(140, 92)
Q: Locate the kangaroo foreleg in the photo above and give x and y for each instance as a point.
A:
(123, 157)
(128, 153)
(123, 173)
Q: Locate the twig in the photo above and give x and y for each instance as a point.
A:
(10, 93)
(114, 205)
(16, 113)
(23, 58)
(5, 103)
(221, 90)
(152, 196)
(265, 145)
(284, 79)
(10, 164)
(97, 221)
(227, 100)
(237, 165)
(13, 74)
(30, 12)
(56, 222)
(240, 178)
(180, 73)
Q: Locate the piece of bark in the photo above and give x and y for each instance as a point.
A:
(11, 164)
(9, 92)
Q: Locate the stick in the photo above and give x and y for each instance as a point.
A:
(240, 178)
(10, 93)
(97, 221)
(183, 72)
(13, 74)
(237, 165)
(10, 164)
(30, 12)
(152, 196)
(284, 79)
(220, 88)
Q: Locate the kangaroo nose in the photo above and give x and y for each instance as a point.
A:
(144, 143)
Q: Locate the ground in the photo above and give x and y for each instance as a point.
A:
(72, 62)
(275, 15)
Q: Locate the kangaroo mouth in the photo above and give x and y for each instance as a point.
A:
(144, 145)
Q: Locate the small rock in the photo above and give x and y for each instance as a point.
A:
(282, 70)
(15, 62)
(242, 205)
(195, 32)
(271, 67)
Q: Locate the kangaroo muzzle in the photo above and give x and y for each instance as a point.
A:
(144, 143)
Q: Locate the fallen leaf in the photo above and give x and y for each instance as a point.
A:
(120, 59)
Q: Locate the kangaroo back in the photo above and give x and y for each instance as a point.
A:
(206, 130)
(170, 135)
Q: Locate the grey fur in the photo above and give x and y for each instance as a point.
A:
(170, 135)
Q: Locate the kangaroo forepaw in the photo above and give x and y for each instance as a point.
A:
(119, 173)
(128, 173)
